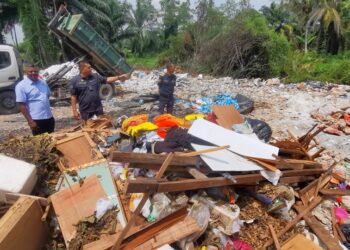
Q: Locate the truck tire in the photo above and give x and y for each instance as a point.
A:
(8, 103)
(106, 91)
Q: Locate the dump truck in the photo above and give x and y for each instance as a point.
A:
(83, 40)
(10, 74)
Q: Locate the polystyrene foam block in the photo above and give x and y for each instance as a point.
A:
(16, 176)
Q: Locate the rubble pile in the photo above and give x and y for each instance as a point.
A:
(214, 175)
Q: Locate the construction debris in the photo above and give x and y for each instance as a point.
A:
(199, 180)
(90, 229)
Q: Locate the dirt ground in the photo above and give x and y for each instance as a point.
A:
(282, 106)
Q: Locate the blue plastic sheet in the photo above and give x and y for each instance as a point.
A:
(221, 100)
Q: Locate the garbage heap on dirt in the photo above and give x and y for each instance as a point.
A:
(213, 178)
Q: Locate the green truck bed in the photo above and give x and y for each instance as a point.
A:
(77, 33)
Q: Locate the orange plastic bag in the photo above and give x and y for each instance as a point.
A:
(134, 121)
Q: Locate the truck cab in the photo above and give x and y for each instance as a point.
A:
(10, 74)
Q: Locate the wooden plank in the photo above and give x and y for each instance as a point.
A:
(149, 232)
(309, 192)
(176, 232)
(106, 242)
(150, 184)
(79, 150)
(152, 159)
(322, 233)
(14, 197)
(227, 116)
(300, 242)
(21, 227)
(196, 174)
(204, 151)
(274, 237)
(240, 144)
(75, 203)
(142, 203)
(296, 179)
(292, 223)
(334, 192)
(334, 222)
(319, 230)
(267, 166)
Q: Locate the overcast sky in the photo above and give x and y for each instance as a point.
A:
(257, 4)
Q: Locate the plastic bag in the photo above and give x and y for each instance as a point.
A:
(135, 200)
(102, 206)
(117, 170)
(160, 207)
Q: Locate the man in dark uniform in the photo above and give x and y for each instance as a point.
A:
(85, 88)
(166, 86)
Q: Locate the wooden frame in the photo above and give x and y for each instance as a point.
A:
(78, 150)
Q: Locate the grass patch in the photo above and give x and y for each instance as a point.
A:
(147, 62)
(313, 66)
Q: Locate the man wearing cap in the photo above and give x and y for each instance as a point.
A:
(32, 96)
(85, 88)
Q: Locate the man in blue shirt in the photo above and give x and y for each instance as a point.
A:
(166, 86)
(85, 88)
(32, 96)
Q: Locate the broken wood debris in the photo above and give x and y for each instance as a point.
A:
(184, 172)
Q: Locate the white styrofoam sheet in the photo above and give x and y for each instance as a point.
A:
(225, 160)
(239, 143)
(16, 176)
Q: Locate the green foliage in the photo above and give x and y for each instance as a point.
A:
(42, 49)
(176, 15)
(150, 61)
(8, 18)
(313, 66)
(142, 20)
(97, 13)
(248, 49)
(181, 48)
(276, 45)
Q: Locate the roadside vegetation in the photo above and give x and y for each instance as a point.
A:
(295, 40)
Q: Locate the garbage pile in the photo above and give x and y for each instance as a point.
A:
(214, 179)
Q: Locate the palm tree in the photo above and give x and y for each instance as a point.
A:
(143, 22)
(326, 17)
(97, 13)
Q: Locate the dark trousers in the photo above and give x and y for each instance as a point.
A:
(86, 115)
(44, 126)
(167, 104)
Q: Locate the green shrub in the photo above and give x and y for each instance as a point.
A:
(150, 61)
(321, 67)
(249, 48)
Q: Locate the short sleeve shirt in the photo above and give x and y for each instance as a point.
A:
(35, 95)
(87, 92)
(166, 86)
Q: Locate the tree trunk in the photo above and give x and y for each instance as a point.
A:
(306, 39)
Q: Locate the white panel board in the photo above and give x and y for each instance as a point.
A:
(239, 143)
(225, 160)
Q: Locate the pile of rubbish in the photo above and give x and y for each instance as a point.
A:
(213, 179)
(335, 119)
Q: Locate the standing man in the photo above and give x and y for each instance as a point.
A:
(166, 86)
(32, 96)
(85, 88)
